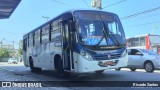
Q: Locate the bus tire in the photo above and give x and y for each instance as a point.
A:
(60, 69)
(32, 68)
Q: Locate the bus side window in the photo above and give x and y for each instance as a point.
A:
(55, 30)
(27, 40)
(30, 39)
(25, 44)
(45, 33)
(37, 37)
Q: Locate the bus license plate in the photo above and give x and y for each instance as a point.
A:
(108, 63)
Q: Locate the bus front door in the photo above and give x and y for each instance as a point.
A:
(66, 46)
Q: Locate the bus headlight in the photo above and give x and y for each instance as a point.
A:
(86, 55)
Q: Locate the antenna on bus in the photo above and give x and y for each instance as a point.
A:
(96, 4)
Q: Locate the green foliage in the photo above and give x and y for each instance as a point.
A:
(4, 53)
(20, 47)
(20, 51)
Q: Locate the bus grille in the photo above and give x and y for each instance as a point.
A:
(106, 57)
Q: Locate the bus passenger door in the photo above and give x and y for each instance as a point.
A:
(66, 46)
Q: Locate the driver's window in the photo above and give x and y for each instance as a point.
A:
(135, 52)
(112, 27)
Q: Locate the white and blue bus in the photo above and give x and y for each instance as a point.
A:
(77, 41)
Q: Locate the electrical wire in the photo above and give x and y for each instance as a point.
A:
(86, 3)
(144, 24)
(143, 18)
(63, 4)
(114, 4)
(140, 13)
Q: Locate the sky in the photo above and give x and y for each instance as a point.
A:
(29, 14)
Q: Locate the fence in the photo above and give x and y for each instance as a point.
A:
(4, 59)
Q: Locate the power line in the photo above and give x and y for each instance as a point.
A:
(114, 4)
(63, 4)
(86, 3)
(140, 13)
(146, 17)
(144, 24)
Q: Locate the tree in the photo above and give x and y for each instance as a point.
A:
(20, 51)
(4, 53)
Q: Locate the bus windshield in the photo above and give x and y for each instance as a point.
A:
(99, 29)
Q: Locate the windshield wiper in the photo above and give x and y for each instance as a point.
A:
(107, 31)
(99, 41)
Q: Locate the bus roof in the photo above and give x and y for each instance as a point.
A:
(69, 11)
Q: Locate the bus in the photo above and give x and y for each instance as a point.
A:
(77, 41)
(146, 41)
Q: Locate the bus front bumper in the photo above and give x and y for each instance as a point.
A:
(82, 65)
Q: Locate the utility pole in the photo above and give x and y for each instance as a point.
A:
(1, 42)
(97, 4)
(13, 50)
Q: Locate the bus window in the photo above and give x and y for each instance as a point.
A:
(27, 41)
(135, 42)
(30, 39)
(113, 27)
(55, 30)
(45, 33)
(90, 32)
(25, 44)
(37, 37)
(142, 41)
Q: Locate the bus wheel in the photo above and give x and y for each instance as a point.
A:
(60, 70)
(149, 67)
(32, 68)
(100, 71)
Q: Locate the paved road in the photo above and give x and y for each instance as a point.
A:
(18, 72)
